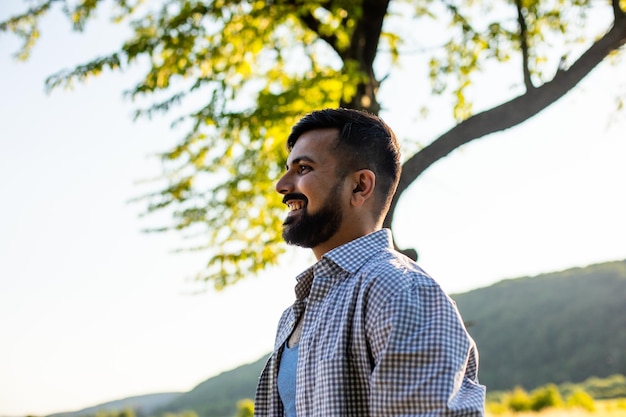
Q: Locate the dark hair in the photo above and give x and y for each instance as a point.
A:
(364, 141)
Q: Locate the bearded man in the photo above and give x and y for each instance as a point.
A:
(370, 333)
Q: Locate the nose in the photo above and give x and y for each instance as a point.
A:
(284, 184)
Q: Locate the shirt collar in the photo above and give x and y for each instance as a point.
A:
(305, 279)
(352, 255)
(349, 257)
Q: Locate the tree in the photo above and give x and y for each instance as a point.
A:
(245, 408)
(236, 74)
(518, 400)
(546, 397)
(579, 398)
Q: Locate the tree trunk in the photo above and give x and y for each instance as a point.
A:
(362, 50)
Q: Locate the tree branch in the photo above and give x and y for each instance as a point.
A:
(523, 35)
(511, 113)
(311, 22)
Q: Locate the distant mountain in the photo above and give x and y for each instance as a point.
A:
(559, 327)
(141, 404)
(218, 396)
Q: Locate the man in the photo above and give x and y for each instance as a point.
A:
(370, 333)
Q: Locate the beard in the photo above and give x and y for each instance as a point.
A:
(312, 229)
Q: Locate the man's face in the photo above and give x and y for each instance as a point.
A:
(311, 229)
(313, 191)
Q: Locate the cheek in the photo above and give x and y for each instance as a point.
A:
(314, 199)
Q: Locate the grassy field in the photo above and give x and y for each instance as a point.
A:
(607, 408)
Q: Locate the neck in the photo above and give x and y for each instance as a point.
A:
(341, 239)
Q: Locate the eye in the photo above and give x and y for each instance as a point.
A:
(303, 169)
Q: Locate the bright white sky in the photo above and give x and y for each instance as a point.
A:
(92, 310)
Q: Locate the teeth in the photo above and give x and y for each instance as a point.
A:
(295, 205)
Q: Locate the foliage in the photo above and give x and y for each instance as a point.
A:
(613, 386)
(125, 412)
(236, 74)
(529, 332)
(577, 396)
(186, 413)
(545, 397)
(603, 409)
(620, 404)
(245, 408)
(518, 400)
(580, 399)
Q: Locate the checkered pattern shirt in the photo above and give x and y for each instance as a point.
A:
(380, 338)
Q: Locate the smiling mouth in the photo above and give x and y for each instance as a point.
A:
(295, 205)
(295, 201)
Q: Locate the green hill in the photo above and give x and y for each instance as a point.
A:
(143, 405)
(558, 327)
(218, 396)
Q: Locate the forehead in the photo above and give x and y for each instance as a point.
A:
(315, 145)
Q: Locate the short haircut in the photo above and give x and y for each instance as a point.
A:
(364, 141)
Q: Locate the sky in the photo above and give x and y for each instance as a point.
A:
(93, 310)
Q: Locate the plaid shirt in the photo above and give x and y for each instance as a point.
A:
(380, 338)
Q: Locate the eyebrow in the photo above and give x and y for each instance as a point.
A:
(300, 159)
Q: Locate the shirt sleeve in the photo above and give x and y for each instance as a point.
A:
(425, 362)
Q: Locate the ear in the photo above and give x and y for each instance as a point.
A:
(364, 182)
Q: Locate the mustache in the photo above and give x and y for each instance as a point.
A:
(295, 196)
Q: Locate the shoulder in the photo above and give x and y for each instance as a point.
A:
(391, 278)
(392, 270)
